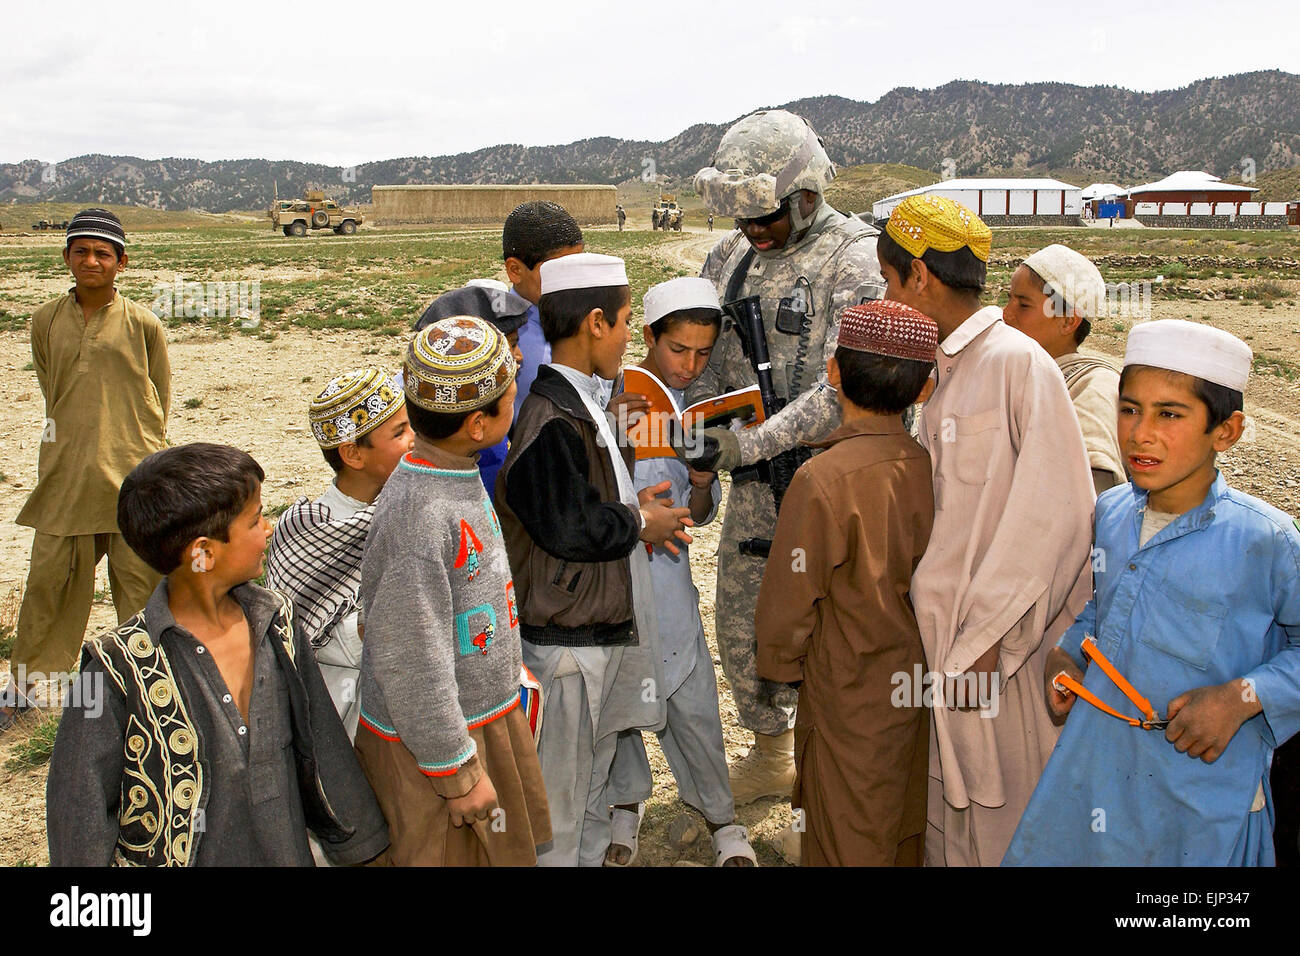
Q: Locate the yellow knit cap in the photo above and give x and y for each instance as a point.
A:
(939, 223)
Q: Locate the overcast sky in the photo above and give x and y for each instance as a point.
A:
(349, 82)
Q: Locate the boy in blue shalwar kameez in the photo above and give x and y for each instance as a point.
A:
(1197, 604)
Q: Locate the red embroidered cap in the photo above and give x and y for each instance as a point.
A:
(886, 327)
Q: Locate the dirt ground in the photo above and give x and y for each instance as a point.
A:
(253, 394)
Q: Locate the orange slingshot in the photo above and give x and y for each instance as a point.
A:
(1064, 682)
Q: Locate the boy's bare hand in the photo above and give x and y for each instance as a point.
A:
(1059, 702)
(1203, 721)
(478, 804)
(701, 479)
(627, 407)
(664, 524)
(987, 679)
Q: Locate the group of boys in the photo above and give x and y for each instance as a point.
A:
(463, 639)
(1001, 586)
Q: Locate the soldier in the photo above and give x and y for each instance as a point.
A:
(622, 216)
(807, 263)
(710, 222)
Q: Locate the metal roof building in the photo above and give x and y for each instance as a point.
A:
(1191, 186)
(998, 197)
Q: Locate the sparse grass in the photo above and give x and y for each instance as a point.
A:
(193, 403)
(35, 750)
(29, 367)
(276, 510)
(1264, 290)
(1013, 243)
(378, 281)
(1272, 365)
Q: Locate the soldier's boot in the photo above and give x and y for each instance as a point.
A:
(766, 771)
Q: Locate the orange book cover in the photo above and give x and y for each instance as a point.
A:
(665, 424)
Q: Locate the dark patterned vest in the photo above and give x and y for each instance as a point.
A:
(165, 784)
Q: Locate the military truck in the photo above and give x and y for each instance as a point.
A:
(295, 216)
(666, 215)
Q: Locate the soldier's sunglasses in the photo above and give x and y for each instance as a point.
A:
(771, 219)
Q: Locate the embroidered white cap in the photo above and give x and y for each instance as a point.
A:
(684, 292)
(582, 270)
(1201, 350)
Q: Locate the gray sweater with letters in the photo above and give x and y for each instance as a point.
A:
(441, 647)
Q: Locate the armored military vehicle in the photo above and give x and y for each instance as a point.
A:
(295, 216)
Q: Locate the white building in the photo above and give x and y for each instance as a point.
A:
(1104, 192)
(998, 197)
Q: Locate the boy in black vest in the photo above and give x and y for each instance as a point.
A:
(574, 527)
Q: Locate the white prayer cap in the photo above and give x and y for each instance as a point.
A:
(1072, 276)
(1201, 350)
(685, 292)
(582, 270)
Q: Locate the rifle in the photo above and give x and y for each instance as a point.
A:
(777, 472)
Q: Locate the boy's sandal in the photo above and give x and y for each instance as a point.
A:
(732, 842)
(625, 828)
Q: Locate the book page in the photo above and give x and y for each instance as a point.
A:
(652, 433)
(745, 405)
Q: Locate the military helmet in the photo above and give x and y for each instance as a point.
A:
(761, 160)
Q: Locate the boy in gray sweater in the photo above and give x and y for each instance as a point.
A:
(442, 738)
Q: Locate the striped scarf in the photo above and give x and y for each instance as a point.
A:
(316, 560)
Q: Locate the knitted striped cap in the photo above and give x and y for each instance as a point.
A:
(353, 404)
(457, 365)
(926, 222)
(97, 224)
(889, 328)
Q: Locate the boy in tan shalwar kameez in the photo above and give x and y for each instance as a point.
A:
(1007, 568)
(101, 361)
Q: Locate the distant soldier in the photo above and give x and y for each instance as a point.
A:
(622, 217)
(654, 218)
(806, 262)
(710, 222)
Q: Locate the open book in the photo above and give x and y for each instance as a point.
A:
(666, 424)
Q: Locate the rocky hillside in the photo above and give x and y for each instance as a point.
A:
(965, 127)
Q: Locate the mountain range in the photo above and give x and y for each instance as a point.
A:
(966, 127)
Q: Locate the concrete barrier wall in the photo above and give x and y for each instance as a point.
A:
(412, 205)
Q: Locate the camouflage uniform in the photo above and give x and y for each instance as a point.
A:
(831, 267)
